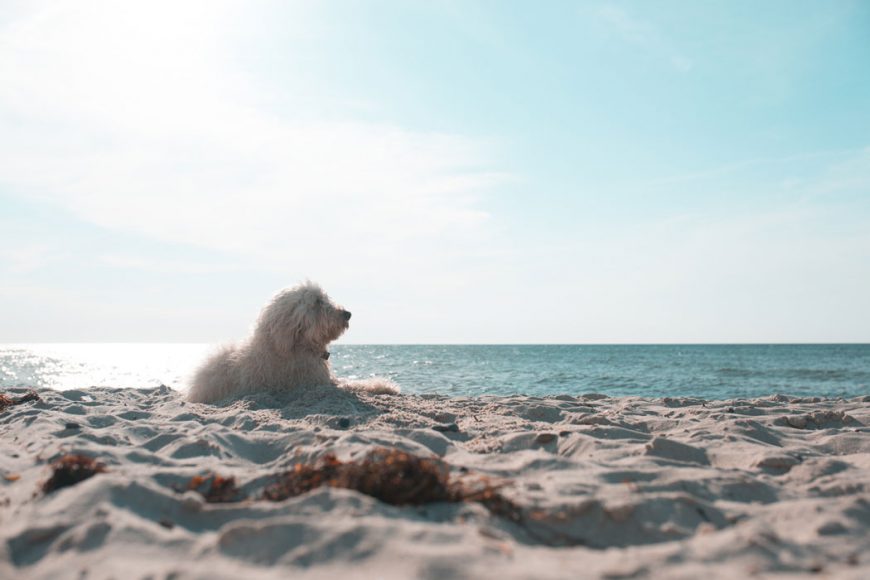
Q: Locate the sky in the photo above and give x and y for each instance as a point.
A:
(451, 172)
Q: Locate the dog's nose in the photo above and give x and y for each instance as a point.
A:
(346, 314)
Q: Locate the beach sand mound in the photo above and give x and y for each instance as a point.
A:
(487, 487)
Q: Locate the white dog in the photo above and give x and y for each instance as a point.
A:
(286, 351)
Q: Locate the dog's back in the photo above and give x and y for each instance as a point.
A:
(216, 379)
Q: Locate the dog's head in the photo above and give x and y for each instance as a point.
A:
(302, 317)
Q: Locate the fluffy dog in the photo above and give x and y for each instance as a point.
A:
(286, 351)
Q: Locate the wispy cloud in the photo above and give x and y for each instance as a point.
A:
(165, 266)
(643, 35)
(776, 274)
(135, 117)
(23, 258)
(854, 162)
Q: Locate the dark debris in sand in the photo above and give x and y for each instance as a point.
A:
(216, 489)
(70, 470)
(394, 477)
(6, 401)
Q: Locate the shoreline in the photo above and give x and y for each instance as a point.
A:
(605, 486)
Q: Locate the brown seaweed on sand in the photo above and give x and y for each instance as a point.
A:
(6, 401)
(70, 470)
(216, 489)
(394, 477)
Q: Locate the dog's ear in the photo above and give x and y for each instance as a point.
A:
(281, 324)
(284, 336)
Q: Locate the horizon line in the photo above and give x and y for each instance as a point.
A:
(802, 343)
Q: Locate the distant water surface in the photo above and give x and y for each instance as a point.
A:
(707, 371)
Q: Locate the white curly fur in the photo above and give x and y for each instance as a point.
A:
(286, 351)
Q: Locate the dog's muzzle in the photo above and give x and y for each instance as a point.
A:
(346, 314)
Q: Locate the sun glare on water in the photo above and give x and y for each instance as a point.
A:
(77, 366)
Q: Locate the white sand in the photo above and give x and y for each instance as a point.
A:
(611, 487)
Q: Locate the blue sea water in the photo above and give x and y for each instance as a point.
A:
(707, 371)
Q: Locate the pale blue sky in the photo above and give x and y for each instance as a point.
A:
(450, 171)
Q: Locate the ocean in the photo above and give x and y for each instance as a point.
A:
(706, 371)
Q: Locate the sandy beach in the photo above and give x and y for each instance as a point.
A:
(600, 487)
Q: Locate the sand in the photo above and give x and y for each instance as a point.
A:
(606, 487)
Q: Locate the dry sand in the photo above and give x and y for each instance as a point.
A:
(608, 487)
